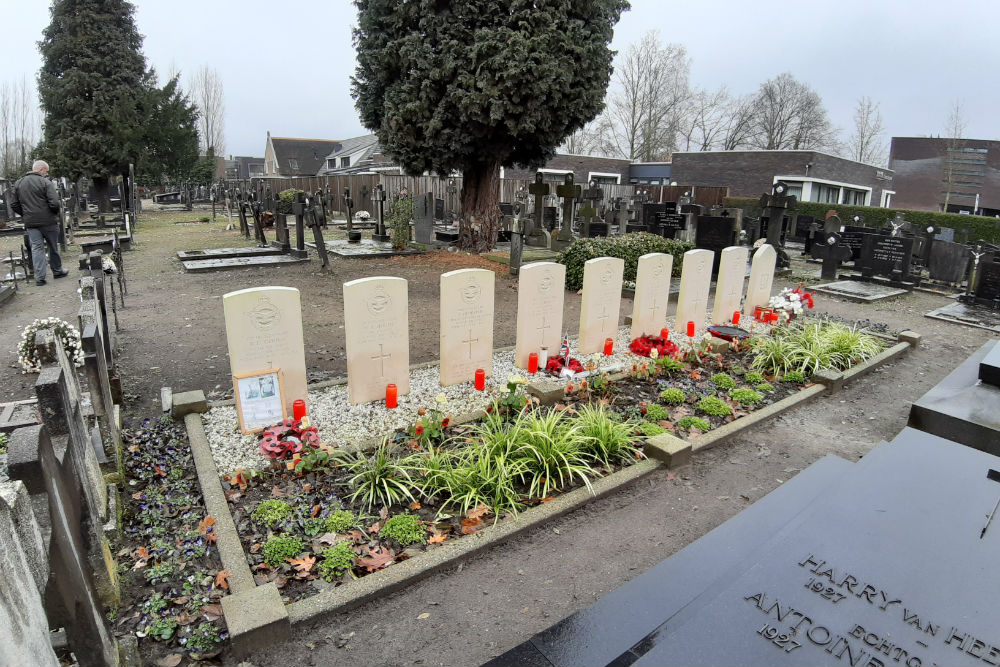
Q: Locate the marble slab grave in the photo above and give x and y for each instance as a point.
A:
(208, 265)
(226, 253)
(367, 248)
(970, 315)
(859, 291)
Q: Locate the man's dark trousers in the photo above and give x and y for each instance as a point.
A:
(40, 237)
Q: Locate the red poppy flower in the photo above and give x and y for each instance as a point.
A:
(420, 429)
(445, 422)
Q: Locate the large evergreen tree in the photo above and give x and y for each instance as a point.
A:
(92, 84)
(166, 143)
(473, 85)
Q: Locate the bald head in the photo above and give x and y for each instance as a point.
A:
(40, 167)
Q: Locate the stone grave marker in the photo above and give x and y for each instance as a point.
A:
(652, 294)
(671, 225)
(715, 233)
(945, 234)
(854, 238)
(466, 324)
(803, 227)
(439, 209)
(761, 278)
(588, 212)
(886, 256)
(696, 279)
(649, 216)
(541, 288)
(987, 280)
(264, 330)
(569, 193)
(376, 332)
(535, 236)
(423, 218)
(949, 262)
(832, 252)
(599, 307)
(729, 287)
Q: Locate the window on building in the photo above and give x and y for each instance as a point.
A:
(293, 163)
(553, 177)
(345, 162)
(255, 170)
(607, 180)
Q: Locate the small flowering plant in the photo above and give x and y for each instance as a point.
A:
(654, 347)
(68, 334)
(791, 302)
(514, 400)
(431, 425)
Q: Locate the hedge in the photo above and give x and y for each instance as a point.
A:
(979, 227)
(629, 247)
(286, 198)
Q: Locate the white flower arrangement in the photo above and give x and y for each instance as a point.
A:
(68, 334)
(786, 304)
(362, 215)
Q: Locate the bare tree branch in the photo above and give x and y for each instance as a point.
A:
(209, 96)
(788, 114)
(867, 144)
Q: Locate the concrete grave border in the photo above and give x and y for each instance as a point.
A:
(257, 617)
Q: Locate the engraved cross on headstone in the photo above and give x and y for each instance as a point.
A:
(470, 340)
(603, 317)
(381, 357)
(543, 328)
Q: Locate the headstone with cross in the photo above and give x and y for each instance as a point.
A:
(319, 204)
(773, 207)
(599, 307)
(587, 212)
(348, 207)
(317, 230)
(466, 324)
(569, 193)
(541, 289)
(378, 198)
(537, 235)
(829, 249)
(376, 332)
(299, 211)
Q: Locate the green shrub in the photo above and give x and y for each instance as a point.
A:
(696, 422)
(808, 347)
(753, 377)
(337, 560)
(656, 412)
(669, 364)
(604, 437)
(398, 215)
(794, 376)
(746, 396)
(765, 387)
(405, 529)
(713, 406)
(723, 381)
(629, 247)
(271, 512)
(278, 550)
(340, 522)
(286, 198)
(672, 396)
(649, 429)
(204, 218)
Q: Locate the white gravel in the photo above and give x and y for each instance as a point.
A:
(345, 425)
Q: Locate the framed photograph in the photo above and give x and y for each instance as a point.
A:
(260, 399)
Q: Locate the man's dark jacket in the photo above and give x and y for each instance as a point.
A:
(35, 199)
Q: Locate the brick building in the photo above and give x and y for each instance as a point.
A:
(811, 175)
(935, 174)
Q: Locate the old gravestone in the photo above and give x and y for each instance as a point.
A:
(729, 287)
(540, 290)
(538, 235)
(569, 193)
(423, 218)
(652, 294)
(886, 256)
(599, 307)
(376, 332)
(761, 278)
(650, 214)
(830, 249)
(672, 224)
(949, 262)
(466, 324)
(987, 290)
(853, 237)
(715, 233)
(439, 209)
(264, 330)
(696, 279)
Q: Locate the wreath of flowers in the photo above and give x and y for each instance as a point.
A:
(68, 334)
(362, 215)
(287, 439)
(556, 364)
(791, 302)
(644, 345)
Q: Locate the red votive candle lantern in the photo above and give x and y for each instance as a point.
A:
(298, 409)
(609, 347)
(772, 318)
(664, 333)
(390, 396)
(736, 318)
(533, 362)
(481, 378)
(690, 329)
(757, 312)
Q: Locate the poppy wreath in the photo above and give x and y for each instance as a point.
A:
(643, 345)
(288, 438)
(556, 364)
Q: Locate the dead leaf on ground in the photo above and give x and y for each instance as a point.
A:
(415, 505)
(184, 618)
(437, 536)
(221, 577)
(254, 548)
(171, 660)
(327, 538)
(478, 512)
(469, 526)
(277, 493)
(212, 611)
(205, 524)
(302, 565)
(142, 553)
(378, 558)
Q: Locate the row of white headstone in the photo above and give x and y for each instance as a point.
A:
(264, 325)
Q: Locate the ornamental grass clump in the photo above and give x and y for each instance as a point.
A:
(711, 405)
(549, 446)
(672, 396)
(604, 438)
(808, 347)
(405, 529)
(380, 478)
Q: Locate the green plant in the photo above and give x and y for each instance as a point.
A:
(629, 247)
(405, 529)
(668, 364)
(162, 629)
(400, 212)
(514, 400)
(656, 412)
(649, 429)
(693, 422)
(379, 478)
(765, 387)
(286, 198)
(604, 438)
(3, 443)
(794, 376)
(278, 549)
(155, 603)
(337, 560)
(158, 572)
(753, 377)
(340, 522)
(713, 406)
(271, 512)
(204, 218)
(808, 347)
(549, 447)
(672, 396)
(202, 638)
(723, 381)
(602, 385)
(770, 354)
(745, 396)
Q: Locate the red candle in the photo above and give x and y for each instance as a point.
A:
(772, 318)
(299, 409)
(609, 346)
(533, 362)
(757, 312)
(481, 378)
(390, 396)
(691, 329)
(664, 333)
(736, 318)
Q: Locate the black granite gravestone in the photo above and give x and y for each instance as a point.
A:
(832, 252)
(988, 283)
(803, 227)
(854, 237)
(423, 218)
(550, 217)
(649, 216)
(949, 262)
(887, 256)
(715, 233)
(439, 209)
(670, 224)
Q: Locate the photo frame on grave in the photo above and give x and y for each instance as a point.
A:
(260, 399)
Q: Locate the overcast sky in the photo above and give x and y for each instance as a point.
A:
(286, 66)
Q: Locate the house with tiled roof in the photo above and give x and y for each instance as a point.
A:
(355, 155)
(289, 156)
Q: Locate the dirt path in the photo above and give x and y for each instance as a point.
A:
(172, 334)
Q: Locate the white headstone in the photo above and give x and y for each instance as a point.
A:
(264, 330)
(602, 298)
(541, 287)
(376, 332)
(652, 294)
(761, 277)
(729, 286)
(466, 324)
(696, 279)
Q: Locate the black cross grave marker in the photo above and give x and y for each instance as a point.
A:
(832, 253)
(587, 212)
(539, 189)
(349, 205)
(569, 192)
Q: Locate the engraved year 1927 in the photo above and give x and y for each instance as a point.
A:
(783, 641)
(826, 592)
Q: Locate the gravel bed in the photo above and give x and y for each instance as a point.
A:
(347, 426)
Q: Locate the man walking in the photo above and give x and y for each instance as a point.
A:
(36, 201)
